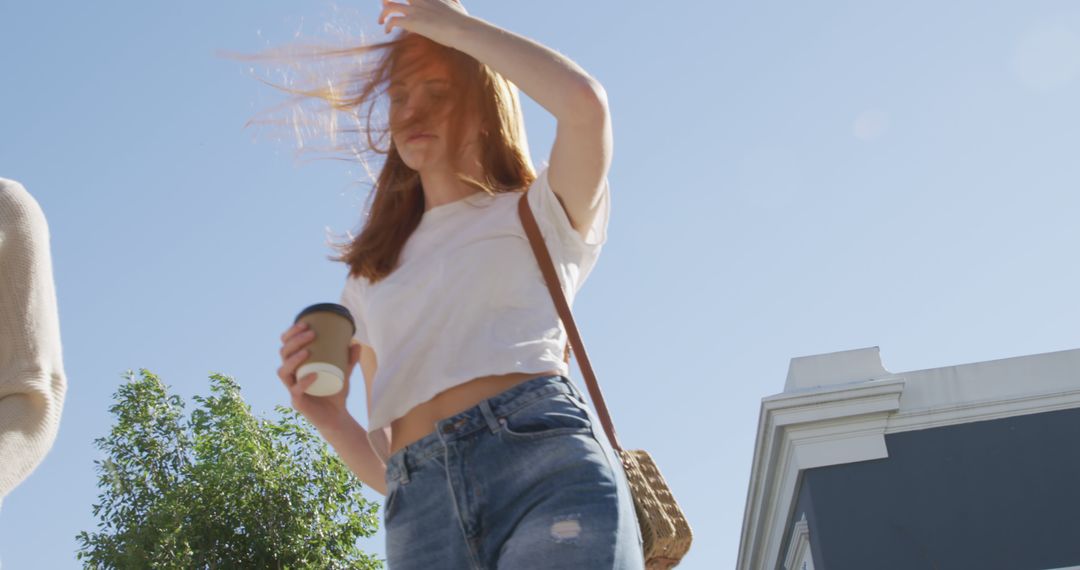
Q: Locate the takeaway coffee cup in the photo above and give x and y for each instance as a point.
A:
(329, 352)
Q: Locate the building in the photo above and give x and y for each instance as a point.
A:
(974, 466)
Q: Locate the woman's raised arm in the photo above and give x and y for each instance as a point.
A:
(582, 152)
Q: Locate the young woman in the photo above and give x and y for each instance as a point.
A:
(488, 455)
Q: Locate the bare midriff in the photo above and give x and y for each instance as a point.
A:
(420, 421)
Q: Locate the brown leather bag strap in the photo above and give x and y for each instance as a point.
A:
(547, 267)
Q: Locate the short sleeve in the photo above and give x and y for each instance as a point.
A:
(351, 300)
(575, 250)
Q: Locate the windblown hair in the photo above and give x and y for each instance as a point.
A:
(395, 207)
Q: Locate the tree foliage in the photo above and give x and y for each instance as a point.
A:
(221, 490)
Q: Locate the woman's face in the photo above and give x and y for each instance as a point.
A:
(424, 96)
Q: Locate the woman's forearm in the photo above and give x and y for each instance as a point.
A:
(552, 80)
(350, 442)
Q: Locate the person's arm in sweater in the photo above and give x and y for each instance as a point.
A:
(32, 380)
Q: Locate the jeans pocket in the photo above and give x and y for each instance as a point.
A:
(550, 416)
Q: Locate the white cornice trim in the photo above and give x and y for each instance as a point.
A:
(800, 430)
(926, 418)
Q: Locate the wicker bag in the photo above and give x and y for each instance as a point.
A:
(664, 529)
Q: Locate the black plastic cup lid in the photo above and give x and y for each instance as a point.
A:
(328, 308)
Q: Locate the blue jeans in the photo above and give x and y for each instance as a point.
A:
(523, 480)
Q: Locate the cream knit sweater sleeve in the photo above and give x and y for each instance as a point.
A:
(32, 380)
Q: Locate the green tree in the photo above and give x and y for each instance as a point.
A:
(222, 490)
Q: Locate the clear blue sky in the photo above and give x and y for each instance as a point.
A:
(789, 179)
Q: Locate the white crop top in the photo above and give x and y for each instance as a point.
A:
(468, 300)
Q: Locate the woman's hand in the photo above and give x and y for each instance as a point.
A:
(434, 19)
(321, 411)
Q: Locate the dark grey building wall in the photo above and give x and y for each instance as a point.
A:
(999, 494)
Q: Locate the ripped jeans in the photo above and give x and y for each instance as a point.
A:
(523, 480)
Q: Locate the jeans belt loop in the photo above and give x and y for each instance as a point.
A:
(489, 416)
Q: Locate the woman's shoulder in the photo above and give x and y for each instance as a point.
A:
(353, 282)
